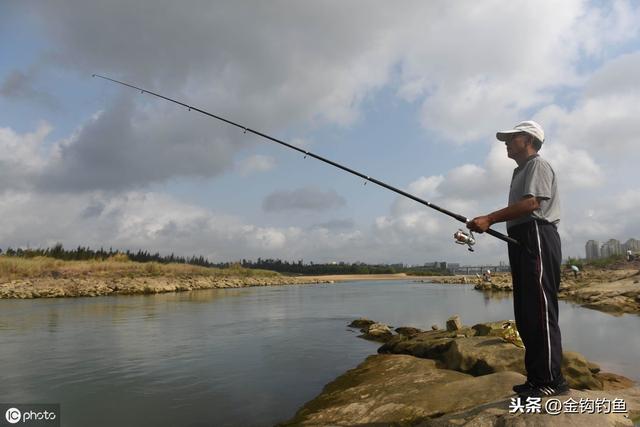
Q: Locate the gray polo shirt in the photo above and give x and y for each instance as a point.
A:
(536, 178)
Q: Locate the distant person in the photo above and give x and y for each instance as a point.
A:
(629, 255)
(575, 270)
(532, 218)
(486, 276)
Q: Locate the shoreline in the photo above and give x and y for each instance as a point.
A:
(125, 284)
(87, 286)
(360, 277)
(94, 287)
(611, 291)
(615, 292)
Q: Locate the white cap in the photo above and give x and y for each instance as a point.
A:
(528, 126)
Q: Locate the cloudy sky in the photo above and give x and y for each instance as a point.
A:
(411, 95)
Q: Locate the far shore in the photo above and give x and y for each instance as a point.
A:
(41, 277)
(351, 277)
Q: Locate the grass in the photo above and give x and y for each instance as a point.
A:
(596, 263)
(12, 268)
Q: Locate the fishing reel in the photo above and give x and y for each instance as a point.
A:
(463, 238)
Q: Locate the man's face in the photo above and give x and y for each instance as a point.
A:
(516, 145)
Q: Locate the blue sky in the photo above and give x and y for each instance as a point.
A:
(412, 96)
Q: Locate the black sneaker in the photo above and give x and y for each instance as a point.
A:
(522, 387)
(545, 390)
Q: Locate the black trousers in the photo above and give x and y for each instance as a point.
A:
(535, 270)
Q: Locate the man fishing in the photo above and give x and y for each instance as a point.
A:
(532, 218)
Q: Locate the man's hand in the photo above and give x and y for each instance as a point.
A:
(479, 224)
(524, 206)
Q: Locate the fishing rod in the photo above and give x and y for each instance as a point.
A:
(461, 237)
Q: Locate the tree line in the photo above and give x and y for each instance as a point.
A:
(85, 253)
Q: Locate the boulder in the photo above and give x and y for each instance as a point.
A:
(408, 331)
(400, 390)
(481, 350)
(483, 355)
(498, 414)
(612, 381)
(361, 323)
(490, 328)
(575, 368)
(593, 367)
(378, 332)
(435, 327)
(430, 345)
(454, 323)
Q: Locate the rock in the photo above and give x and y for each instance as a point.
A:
(408, 331)
(430, 345)
(594, 368)
(454, 323)
(361, 323)
(575, 368)
(612, 381)
(400, 389)
(435, 327)
(497, 414)
(378, 332)
(490, 328)
(484, 355)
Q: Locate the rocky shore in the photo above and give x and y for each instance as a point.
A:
(457, 376)
(615, 291)
(56, 287)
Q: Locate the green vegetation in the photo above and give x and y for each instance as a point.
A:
(300, 268)
(82, 253)
(44, 263)
(605, 262)
(595, 263)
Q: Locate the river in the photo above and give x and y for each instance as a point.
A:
(238, 357)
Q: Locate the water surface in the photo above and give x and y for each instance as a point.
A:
(230, 357)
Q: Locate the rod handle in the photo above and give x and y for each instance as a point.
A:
(501, 236)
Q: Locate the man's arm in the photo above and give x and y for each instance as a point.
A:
(525, 206)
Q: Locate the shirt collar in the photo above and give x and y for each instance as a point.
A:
(533, 156)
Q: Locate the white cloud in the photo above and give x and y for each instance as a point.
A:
(604, 119)
(470, 68)
(21, 156)
(574, 167)
(307, 198)
(256, 164)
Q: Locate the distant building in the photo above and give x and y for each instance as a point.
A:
(632, 245)
(611, 247)
(452, 266)
(592, 249)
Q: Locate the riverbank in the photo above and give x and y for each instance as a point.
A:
(612, 290)
(458, 376)
(50, 278)
(359, 277)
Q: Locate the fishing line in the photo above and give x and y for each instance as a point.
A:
(460, 236)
